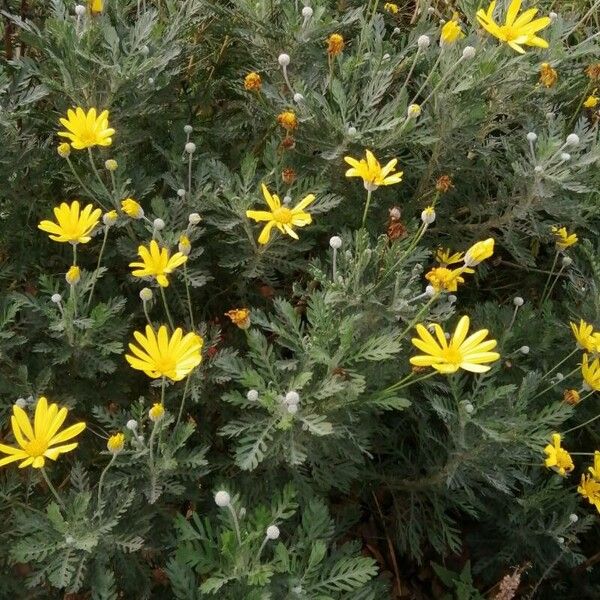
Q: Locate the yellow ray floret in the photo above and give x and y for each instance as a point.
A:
(517, 30)
(42, 439)
(372, 173)
(460, 352)
(585, 336)
(159, 355)
(156, 262)
(281, 217)
(72, 225)
(558, 458)
(591, 373)
(85, 130)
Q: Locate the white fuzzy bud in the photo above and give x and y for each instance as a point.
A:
(146, 294)
(469, 408)
(386, 56)
(559, 377)
(565, 156)
(553, 16)
(573, 518)
(292, 397)
(188, 129)
(469, 52)
(431, 10)
(181, 192)
(69, 539)
(287, 200)
(283, 59)
(21, 402)
(413, 111)
(531, 136)
(351, 131)
(298, 97)
(518, 301)
(252, 395)
(572, 139)
(158, 224)
(538, 169)
(190, 147)
(396, 31)
(335, 242)
(430, 291)
(567, 261)
(560, 540)
(56, 298)
(79, 10)
(292, 409)
(307, 12)
(132, 425)
(194, 219)
(428, 216)
(151, 80)
(423, 42)
(222, 499)
(452, 298)
(109, 218)
(524, 349)
(272, 532)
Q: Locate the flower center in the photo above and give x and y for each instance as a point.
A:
(510, 33)
(87, 136)
(165, 364)
(283, 215)
(35, 448)
(452, 355)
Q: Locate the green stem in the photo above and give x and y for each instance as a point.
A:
(549, 276)
(187, 291)
(146, 313)
(84, 187)
(97, 174)
(403, 383)
(416, 318)
(367, 203)
(164, 298)
(235, 524)
(562, 268)
(95, 277)
(185, 389)
(586, 422)
(564, 360)
(551, 386)
(101, 481)
(52, 488)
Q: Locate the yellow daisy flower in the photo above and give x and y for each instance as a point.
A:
(253, 82)
(115, 443)
(548, 75)
(461, 352)
(391, 7)
(595, 470)
(157, 355)
(558, 458)
(584, 335)
(445, 280)
(157, 412)
(96, 6)
(591, 101)
(517, 30)
(446, 257)
(71, 224)
(563, 239)
(591, 373)
(335, 44)
(282, 217)
(38, 442)
(451, 32)
(372, 173)
(156, 263)
(86, 129)
(589, 488)
(239, 317)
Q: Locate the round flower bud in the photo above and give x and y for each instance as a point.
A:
(64, 150)
(181, 192)
(56, 298)
(335, 242)
(452, 298)
(184, 246)
(292, 409)
(553, 16)
(111, 164)
(132, 208)
(132, 425)
(307, 12)
(351, 131)
(287, 200)
(188, 129)
(560, 540)
(151, 80)
(194, 219)
(140, 439)
(298, 98)
(190, 147)
(531, 136)
(518, 301)
(158, 224)
(396, 31)
(431, 10)
(69, 539)
(79, 10)
(573, 518)
(115, 443)
(222, 499)
(283, 59)
(386, 56)
(21, 402)
(428, 215)
(430, 291)
(469, 408)
(565, 156)
(272, 532)
(73, 275)
(572, 139)
(414, 110)
(423, 42)
(252, 395)
(468, 52)
(538, 169)
(567, 261)
(110, 218)
(559, 377)
(146, 294)
(479, 252)
(292, 397)
(157, 412)
(145, 50)
(524, 349)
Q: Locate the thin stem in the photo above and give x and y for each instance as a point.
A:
(551, 386)
(562, 268)
(185, 389)
(146, 313)
(422, 311)
(435, 64)
(512, 321)
(334, 265)
(189, 297)
(85, 188)
(74, 253)
(549, 276)
(52, 488)
(367, 203)
(412, 68)
(262, 547)
(235, 524)
(101, 481)
(164, 298)
(403, 383)
(564, 360)
(97, 174)
(190, 174)
(95, 277)
(444, 78)
(586, 422)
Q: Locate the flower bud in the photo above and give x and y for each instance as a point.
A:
(132, 209)
(190, 147)
(272, 532)
(252, 395)
(298, 98)
(468, 52)
(565, 156)
(414, 111)
(335, 242)
(283, 59)
(479, 252)
(157, 412)
(423, 42)
(222, 499)
(469, 408)
(553, 16)
(573, 518)
(146, 294)
(158, 224)
(145, 50)
(194, 219)
(56, 298)
(79, 10)
(181, 192)
(292, 409)
(307, 12)
(188, 129)
(110, 218)
(567, 261)
(151, 80)
(292, 397)
(452, 298)
(428, 215)
(132, 425)
(115, 443)
(430, 291)
(572, 139)
(538, 169)
(111, 164)
(184, 246)
(524, 349)
(531, 136)
(73, 275)
(518, 301)
(351, 131)
(64, 150)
